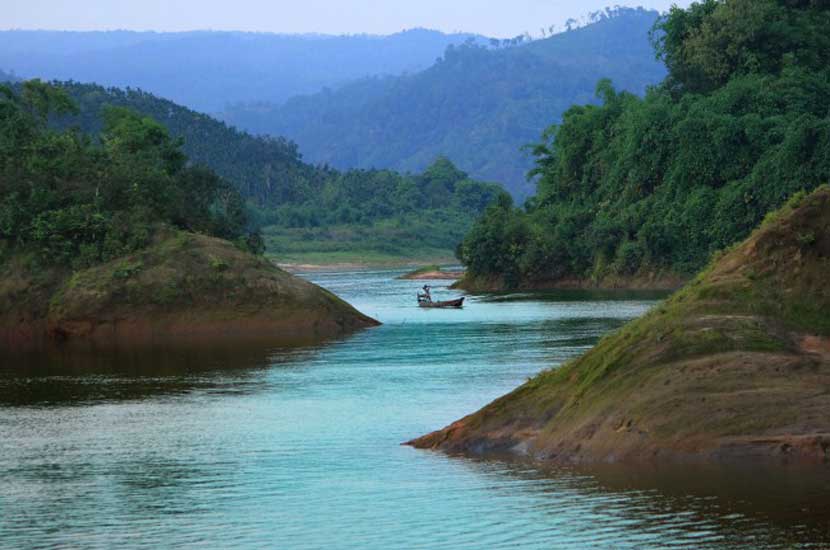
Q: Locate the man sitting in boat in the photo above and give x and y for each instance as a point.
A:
(425, 296)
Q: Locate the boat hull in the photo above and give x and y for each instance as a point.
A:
(445, 305)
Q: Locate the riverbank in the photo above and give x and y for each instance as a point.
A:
(726, 370)
(270, 428)
(376, 246)
(647, 281)
(432, 272)
(183, 289)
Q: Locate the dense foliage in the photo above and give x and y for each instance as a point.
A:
(75, 201)
(476, 105)
(636, 186)
(283, 191)
(365, 196)
(266, 171)
(206, 70)
(382, 212)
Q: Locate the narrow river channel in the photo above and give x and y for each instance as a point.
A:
(301, 448)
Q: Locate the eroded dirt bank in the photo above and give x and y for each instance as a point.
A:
(734, 367)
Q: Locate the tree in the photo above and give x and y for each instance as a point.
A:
(658, 184)
(77, 201)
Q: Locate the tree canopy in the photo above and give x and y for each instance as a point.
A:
(657, 184)
(280, 189)
(76, 201)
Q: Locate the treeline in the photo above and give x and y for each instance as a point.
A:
(267, 171)
(477, 105)
(380, 211)
(656, 185)
(365, 196)
(281, 189)
(73, 200)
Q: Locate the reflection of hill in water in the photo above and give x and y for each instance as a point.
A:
(576, 295)
(692, 505)
(794, 498)
(68, 378)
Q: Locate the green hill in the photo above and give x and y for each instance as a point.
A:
(732, 368)
(643, 190)
(310, 212)
(118, 242)
(477, 105)
(267, 171)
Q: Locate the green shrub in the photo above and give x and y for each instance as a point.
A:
(78, 202)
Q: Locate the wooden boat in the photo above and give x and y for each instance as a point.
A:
(448, 304)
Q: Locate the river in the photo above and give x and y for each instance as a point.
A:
(300, 448)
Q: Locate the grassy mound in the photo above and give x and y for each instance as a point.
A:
(421, 271)
(736, 365)
(184, 288)
(432, 272)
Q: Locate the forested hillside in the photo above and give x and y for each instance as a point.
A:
(307, 208)
(477, 105)
(638, 187)
(69, 200)
(267, 171)
(116, 242)
(207, 70)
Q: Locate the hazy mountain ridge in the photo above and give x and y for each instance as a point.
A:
(6, 77)
(477, 105)
(205, 70)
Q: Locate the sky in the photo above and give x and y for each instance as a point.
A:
(496, 18)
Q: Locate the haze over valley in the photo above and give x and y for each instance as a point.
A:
(396, 102)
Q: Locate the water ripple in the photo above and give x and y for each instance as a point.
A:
(300, 448)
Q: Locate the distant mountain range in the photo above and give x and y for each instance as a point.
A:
(6, 77)
(477, 105)
(207, 70)
(395, 102)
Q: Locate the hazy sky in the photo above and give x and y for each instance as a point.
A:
(503, 18)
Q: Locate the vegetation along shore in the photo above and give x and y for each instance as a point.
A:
(648, 188)
(729, 368)
(119, 242)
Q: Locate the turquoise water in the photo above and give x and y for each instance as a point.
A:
(301, 448)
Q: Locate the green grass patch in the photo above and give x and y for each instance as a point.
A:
(127, 269)
(218, 264)
(377, 245)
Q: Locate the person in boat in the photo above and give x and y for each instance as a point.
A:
(426, 296)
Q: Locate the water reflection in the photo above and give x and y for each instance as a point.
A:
(793, 496)
(576, 295)
(699, 506)
(79, 377)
